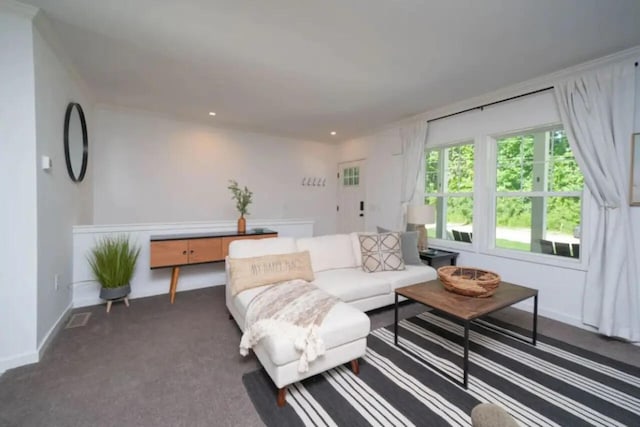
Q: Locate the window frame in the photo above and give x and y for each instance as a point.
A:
(446, 195)
(484, 206)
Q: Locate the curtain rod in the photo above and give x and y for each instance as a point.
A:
(481, 107)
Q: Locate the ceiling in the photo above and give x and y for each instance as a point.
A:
(305, 68)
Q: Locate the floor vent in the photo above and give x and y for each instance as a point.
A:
(77, 320)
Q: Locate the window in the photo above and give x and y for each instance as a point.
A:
(449, 181)
(538, 190)
(351, 176)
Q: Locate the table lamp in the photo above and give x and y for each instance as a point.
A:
(419, 216)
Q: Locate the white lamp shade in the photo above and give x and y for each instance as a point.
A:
(421, 214)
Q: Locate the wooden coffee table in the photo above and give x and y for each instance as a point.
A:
(466, 309)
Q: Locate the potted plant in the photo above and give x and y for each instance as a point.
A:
(113, 261)
(243, 200)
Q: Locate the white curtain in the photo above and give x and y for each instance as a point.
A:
(412, 139)
(597, 112)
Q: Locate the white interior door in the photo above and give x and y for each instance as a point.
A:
(351, 196)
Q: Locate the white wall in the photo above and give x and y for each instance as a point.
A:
(61, 202)
(153, 169)
(560, 285)
(18, 216)
(381, 152)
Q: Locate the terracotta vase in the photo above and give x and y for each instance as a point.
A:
(242, 224)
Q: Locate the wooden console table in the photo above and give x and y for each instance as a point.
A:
(177, 250)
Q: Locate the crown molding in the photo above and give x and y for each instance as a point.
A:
(18, 8)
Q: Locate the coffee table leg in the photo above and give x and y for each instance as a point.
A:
(535, 319)
(395, 323)
(466, 353)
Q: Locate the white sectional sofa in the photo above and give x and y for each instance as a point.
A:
(336, 263)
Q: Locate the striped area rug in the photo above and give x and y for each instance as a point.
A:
(552, 384)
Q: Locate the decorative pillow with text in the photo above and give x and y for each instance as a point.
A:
(247, 273)
(381, 252)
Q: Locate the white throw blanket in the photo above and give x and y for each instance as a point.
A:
(293, 309)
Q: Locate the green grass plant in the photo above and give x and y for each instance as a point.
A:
(512, 244)
(113, 261)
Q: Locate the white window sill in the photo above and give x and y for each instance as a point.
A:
(543, 259)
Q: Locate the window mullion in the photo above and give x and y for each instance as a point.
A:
(487, 206)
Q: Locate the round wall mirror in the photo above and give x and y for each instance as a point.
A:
(76, 144)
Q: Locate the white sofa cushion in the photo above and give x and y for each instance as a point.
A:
(329, 252)
(250, 248)
(411, 275)
(343, 324)
(242, 300)
(351, 284)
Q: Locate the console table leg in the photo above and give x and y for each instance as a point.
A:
(174, 283)
(466, 353)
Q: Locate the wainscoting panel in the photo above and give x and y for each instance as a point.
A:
(147, 282)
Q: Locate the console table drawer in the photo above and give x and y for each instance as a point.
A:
(205, 250)
(168, 253)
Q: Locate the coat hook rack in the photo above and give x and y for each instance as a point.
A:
(309, 181)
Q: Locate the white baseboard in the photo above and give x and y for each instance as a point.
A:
(53, 331)
(89, 301)
(18, 360)
(35, 356)
(551, 314)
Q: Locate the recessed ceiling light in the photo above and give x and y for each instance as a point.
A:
(333, 132)
(211, 113)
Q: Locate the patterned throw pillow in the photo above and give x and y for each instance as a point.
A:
(409, 245)
(381, 252)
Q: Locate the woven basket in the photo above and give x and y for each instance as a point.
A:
(472, 282)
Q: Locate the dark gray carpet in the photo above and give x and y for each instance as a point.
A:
(550, 384)
(174, 365)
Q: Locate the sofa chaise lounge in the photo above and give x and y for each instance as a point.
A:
(336, 264)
